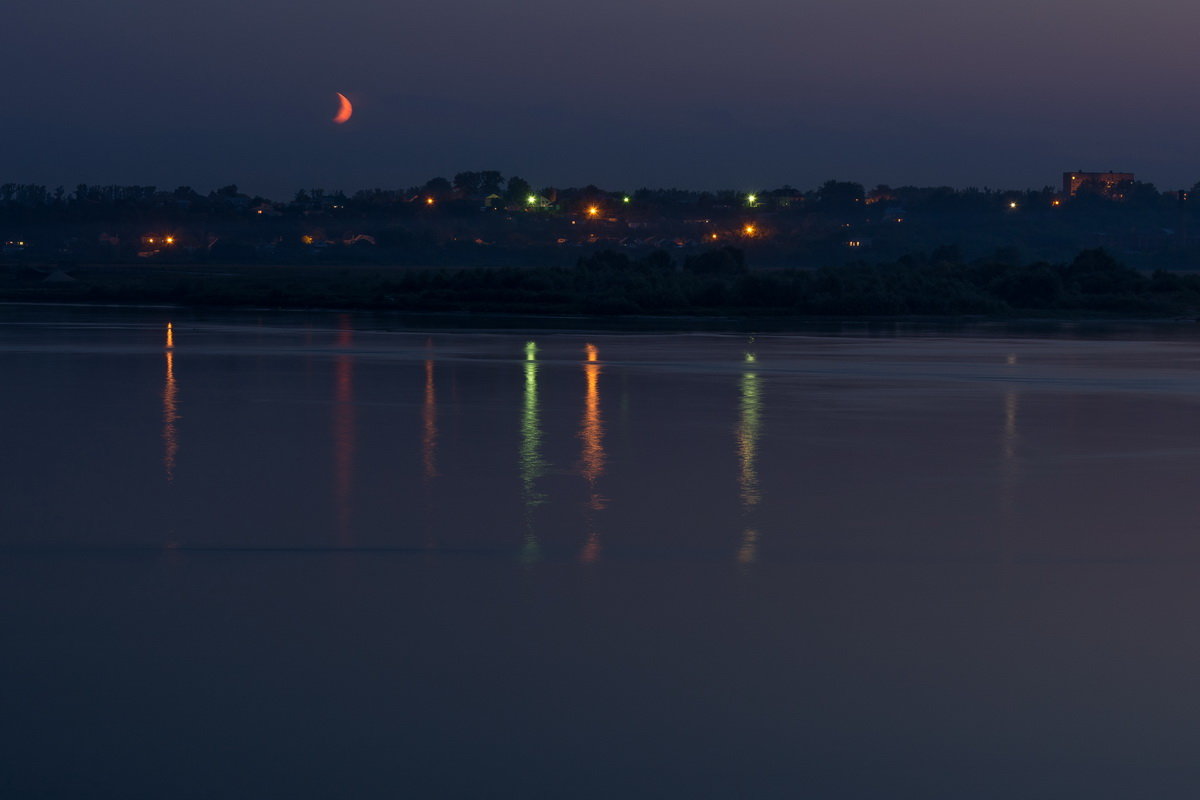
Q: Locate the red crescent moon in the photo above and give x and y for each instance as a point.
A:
(345, 111)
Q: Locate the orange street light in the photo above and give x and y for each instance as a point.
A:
(593, 211)
(749, 230)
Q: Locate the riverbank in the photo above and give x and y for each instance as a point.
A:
(611, 285)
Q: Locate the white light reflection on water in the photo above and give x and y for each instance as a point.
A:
(749, 429)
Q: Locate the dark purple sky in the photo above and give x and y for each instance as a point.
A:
(623, 93)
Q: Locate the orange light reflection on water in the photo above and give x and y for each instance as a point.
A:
(170, 410)
(593, 457)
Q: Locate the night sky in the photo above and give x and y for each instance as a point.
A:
(623, 93)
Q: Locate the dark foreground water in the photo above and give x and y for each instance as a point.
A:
(299, 556)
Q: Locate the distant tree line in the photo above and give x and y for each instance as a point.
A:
(486, 218)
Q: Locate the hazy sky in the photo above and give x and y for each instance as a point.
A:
(622, 93)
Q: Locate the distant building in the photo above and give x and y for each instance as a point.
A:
(1106, 184)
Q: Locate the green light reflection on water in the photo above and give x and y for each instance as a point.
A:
(532, 465)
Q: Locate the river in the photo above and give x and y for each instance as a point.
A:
(330, 555)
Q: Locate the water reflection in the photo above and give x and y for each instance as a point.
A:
(429, 431)
(1008, 456)
(170, 409)
(747, 435)
(532, 465)
(343, 429)
(1009, 467)
(1012, 403)
(593, 457)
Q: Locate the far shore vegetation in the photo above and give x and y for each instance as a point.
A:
(717, 282)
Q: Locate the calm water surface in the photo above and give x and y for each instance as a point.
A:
(326, 556)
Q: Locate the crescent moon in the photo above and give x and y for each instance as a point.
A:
(344, 111)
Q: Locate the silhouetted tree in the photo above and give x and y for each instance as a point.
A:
(518, 190)
(467, 183)
(490, 182)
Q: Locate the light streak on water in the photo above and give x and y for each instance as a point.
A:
(747, 435)
(170, 399)
(532, 465)
(593, 457)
